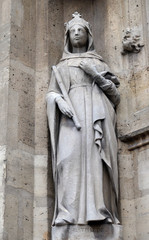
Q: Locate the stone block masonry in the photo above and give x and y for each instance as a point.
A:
(30, 42)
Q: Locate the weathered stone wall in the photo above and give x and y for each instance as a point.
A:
(5, 6)
(19, 187)
(31, 39)
(49, 23)
(133, 114)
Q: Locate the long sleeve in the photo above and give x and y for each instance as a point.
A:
(53, 90)
(108, 87)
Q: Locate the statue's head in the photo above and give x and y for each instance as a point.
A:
(78, 33)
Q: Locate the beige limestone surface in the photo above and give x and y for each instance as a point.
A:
(31, 34)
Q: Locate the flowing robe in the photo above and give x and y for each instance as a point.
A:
(84, 162)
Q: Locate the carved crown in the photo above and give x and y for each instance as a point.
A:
(76, 19)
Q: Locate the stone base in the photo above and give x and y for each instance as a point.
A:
(87, 232)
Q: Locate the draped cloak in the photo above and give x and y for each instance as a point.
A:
(84, 162)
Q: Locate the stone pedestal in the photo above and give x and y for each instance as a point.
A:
(87, 232)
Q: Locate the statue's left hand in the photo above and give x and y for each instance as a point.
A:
(89, 69)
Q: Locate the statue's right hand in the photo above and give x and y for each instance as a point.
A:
(64, 107)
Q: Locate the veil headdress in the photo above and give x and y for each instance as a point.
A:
(77, 19)
(90, 52)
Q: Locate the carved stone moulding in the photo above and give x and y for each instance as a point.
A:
(137, 138)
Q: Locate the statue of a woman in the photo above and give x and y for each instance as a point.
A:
(84, 161)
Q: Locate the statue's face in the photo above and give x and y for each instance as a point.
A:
(78, 36)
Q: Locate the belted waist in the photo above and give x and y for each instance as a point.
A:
(81, 85)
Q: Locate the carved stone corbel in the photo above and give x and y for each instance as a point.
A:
(131, 42)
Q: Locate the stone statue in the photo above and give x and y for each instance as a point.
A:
(81, 104)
